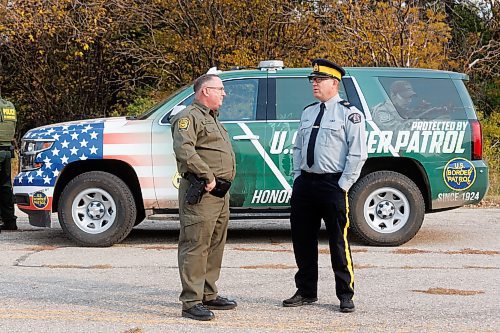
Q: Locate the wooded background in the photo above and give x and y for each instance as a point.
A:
(72, 59)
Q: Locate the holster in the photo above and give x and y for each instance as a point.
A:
(221, 187)
(196, 189)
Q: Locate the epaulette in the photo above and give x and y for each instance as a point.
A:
(345, 103)
(305, 107)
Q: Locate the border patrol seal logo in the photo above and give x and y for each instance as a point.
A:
(459, 174)
(40, 200)
(176, 180)
(183, 124)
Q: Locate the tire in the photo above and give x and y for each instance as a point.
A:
(97, 209)
(386, 208)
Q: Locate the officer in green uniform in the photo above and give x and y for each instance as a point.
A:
(203, 152)
(8, 120)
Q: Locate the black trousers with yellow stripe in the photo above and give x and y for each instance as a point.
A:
(315, 198)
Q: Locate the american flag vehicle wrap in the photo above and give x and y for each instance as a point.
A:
(129, 141)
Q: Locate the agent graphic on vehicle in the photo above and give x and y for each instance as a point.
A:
(389, 115)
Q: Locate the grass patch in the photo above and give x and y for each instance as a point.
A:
(134, 330)
(259, 250)
(327, 251)
(361, 266)
(445, 291)
(473, 251)
(160, 247)
(409, 251)
(38, 248)
(103, 266)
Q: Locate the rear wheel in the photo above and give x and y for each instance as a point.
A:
(387, 208)
(97, 209)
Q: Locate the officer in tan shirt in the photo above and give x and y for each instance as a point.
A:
(203, 150)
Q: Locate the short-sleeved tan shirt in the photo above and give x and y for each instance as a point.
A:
(201, 144)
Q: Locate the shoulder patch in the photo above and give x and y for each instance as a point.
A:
(355, 118)
(345, 103)
(305, 107)
(183, 124)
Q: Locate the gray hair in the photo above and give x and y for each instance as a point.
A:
(199, 82)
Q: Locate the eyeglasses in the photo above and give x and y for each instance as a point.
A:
(319, 79)
(221, 89)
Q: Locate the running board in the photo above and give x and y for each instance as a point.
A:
(235, 214)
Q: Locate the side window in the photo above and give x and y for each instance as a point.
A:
(293, 94)
(421, 98)
(240, 102)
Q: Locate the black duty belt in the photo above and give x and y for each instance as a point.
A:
(5, 148)
(185, 175)
(318, 176)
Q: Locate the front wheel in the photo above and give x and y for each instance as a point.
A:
(387, 208)
(97, 209)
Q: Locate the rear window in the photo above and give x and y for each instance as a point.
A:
(422, 98)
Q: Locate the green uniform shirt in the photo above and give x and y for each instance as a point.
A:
(201, 144)
(8, 120)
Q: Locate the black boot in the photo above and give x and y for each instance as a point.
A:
(8, 226)
(299, 300)
(198, 312)
(346, 305)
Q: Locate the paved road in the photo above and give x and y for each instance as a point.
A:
(445, 280)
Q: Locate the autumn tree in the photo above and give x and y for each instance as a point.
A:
(189, 36)
(384, 33)
(64, 59)
(475, 48)
(72, 59)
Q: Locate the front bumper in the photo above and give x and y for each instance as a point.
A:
(39, 218)
(37, 206)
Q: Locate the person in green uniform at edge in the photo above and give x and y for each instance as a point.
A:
(8, 120)
(203, 153)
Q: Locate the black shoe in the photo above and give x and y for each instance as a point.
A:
(220, 303)
(298, 300)
(346, 305)
(8, 226)
(198, 312)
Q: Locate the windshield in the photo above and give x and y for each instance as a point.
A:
(153, 109)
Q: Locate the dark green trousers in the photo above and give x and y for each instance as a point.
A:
(6, 196)
(202, 238)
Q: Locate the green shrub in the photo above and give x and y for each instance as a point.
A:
(491, 149)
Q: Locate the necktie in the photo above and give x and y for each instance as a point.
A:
(314, 134)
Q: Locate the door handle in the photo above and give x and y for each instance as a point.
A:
(246, 137)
